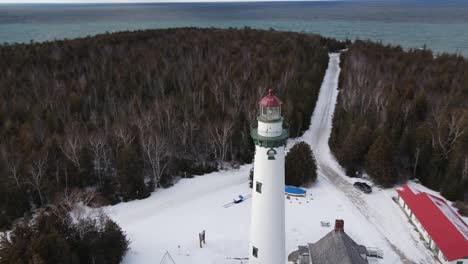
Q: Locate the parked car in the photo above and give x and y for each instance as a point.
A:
(364, 187)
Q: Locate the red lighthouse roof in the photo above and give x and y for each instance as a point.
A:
(446, 228)
(270, 100)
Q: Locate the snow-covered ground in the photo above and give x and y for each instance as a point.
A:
(171, 219)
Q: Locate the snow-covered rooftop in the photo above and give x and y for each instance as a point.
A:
(445, 227)
(455, 218)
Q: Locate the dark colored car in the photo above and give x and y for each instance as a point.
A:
(364, 187)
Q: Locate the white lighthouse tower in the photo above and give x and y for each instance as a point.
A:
(267, 231)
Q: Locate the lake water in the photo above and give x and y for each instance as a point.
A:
(441, 25)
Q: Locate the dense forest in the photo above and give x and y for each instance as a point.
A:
(125, 113)
(402, 115)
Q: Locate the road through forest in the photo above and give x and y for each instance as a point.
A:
(318, 136)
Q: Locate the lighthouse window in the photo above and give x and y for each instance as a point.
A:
(255, 252)
(258, 187)
(271, 154)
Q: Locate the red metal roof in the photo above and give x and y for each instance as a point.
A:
(270, 100)
(446, 228)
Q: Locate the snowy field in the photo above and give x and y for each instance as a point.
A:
(171, 219)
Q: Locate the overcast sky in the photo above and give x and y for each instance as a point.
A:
(125, 1)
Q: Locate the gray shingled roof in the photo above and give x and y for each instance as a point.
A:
(337, 248)
(294, 256)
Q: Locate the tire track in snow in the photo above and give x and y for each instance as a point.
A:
(318, 136)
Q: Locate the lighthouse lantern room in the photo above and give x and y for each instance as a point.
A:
(270, 107)
(267, 230)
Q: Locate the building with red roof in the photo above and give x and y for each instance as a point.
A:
(442, 228)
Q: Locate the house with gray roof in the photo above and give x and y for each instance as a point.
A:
(334, 248)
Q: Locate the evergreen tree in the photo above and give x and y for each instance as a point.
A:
(54, 238)
(451, 189)
(130, 173)
(301, 168)
(36, 259)
(452, 185)
(354, 149)
(14, 248)
(379, 164)
(114, 243)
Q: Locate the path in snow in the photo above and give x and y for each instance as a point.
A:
(389, 222)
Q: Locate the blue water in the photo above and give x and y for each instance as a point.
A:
(440, 25)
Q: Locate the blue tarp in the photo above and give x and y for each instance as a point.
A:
(291, 190)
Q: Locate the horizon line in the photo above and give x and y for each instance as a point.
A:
(11, 2)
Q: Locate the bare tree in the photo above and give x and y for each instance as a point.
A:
(220, 135)
(74, 201)
(187, 129)
(13, 164)
(123, 135)
(416, 160)
(446, 130)
(379, 99)
(147, 120)
(406, 110)
(183, 133)
(156, 153)
(193, 127)
(236, 93)
(216, 90)
(72, 145)
(101, 155)
(465, 169)
(37, 173)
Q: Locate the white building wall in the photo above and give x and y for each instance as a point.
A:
(432, 245)
(407, 210)
(270, 129)
(400, 201)
(458, 261)
(267, 232)
(463, 261)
